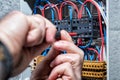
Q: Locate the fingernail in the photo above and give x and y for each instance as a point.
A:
(66, 34)
(58, 44)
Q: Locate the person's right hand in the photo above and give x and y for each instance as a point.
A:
(25, 37)
(67, 66)
(58, 66)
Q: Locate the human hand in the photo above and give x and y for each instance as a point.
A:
(57, 66)
(24, 36)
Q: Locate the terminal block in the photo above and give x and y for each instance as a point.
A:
(94, 70)
(82, 27)
(91, 74)
(94, 65)
(63, 25)
(36, 61)
(88, 78)
(39, 59)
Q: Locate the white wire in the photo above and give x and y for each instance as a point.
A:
(104, 54)
(101, 11)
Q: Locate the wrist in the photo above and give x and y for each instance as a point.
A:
(6, 62)
(11, 45)
(7, 42)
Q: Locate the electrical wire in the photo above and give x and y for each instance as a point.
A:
(98, 49)
(88, 11)
(92, 49)
(105, 35)
(45, 51)
(52, 11)
(99, 2)
(100, 24)
(37, 6)
(70, 3)
(52, 6)
(70, 12)
(35, 9)
(101, 11)
(85, 54)
(92, 57)
(87, 45)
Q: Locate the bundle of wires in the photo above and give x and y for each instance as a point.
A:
(69, 3)
(101, 11)
(100, 24)
(73, 6)
(87, 45)
(91, 54)
(52, 6)
(92, 49)
(88, 11)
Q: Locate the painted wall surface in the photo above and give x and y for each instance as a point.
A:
(114, 39)
(7, 6)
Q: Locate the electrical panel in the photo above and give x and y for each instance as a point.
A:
(86, 19)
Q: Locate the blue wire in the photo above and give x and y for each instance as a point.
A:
(88, 11)
(59, 0)
(36, 4)
(53, 17)
(105, 35)
(87, 45)
(91, 57)
(99, 2)
(85, 55)
(98, 49)
(45, 51)
(70, 12)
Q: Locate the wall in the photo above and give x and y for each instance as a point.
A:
(114, 39)
(8, 6)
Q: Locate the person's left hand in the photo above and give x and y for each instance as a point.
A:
(61, 66)
(25, 36)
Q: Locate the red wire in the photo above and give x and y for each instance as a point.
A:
(95, 52)
(50, 5)
(100, 23)
(79, 41)
(70, 3)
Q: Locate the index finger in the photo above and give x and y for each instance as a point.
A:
(50, 30)
(67, 46)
